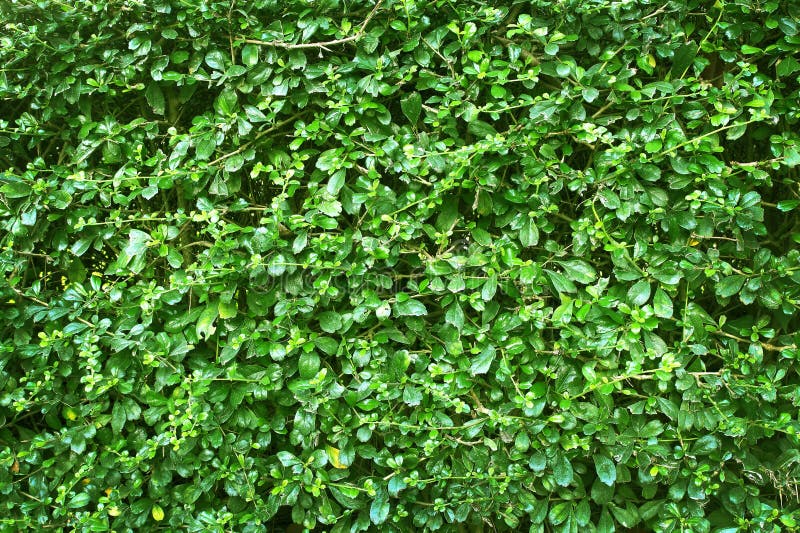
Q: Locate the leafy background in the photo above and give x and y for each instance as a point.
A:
(405, 265)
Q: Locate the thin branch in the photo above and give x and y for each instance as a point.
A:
(764, 345)
(323, 45)
(260, 134)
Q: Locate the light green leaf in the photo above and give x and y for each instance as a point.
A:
(79, 500)
(336, 182)
(227, 309)
(559, 513)
(560, 282)
(205, 149)
(705, 445)
(216, 60)
(455, 316)
(787, 205)
(489, 288)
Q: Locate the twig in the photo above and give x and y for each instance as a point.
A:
(324, 45)
(765, 345)
(260, 134)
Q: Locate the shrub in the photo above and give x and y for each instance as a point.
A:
(399, 265)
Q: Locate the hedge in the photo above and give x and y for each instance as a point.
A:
(399, 265)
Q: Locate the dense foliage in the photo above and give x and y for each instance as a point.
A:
(399, 265)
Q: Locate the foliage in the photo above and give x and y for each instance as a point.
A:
(405, 265)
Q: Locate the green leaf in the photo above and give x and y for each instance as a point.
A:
(15, 189)
(481, 129)
(250, 55)
(410, 308)
(455, 316)
(330, 321)
(578, 270)
(590, 94)
(155, 98)
(216, 60)
(559, 513)
(562, 471)
(606, 470)
(379, 509)
(205, 149)
(489, 288)
(529, 233)
(308, 365)
(729, 285)
(227, 309)
(483, 361)
(411, 105)
(639, 293)
(205, 323)
(79, 500)
(627, 516)
(705, 445)
(662, 304)
(788, 205)
(551, 49)
(118, 417)
(653, 146)
(560, 282)
(336, 183)
(683, 58)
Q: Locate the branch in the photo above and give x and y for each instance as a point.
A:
(765, 345)
(258, 136)
(325, 44)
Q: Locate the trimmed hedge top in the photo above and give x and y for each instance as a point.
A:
(399, 265)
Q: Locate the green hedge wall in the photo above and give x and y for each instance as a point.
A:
(405, 265)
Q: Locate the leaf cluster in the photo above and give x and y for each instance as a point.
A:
(399, 265)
